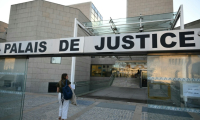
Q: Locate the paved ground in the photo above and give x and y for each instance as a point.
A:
(9, 103)
(45, 107)
(121, 93)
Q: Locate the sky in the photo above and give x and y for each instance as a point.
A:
(110, 8)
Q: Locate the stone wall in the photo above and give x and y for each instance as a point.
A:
(148, 7)
(85, 8)
(37, 20)
(82, 69)
(3, 28)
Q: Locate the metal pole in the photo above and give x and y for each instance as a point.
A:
(184, 59)
(141, 29)
(140, 21)
(182, 19)
(74, 58)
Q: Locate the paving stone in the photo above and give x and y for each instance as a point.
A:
(117, 106)
(50, 111)
(154, 116)
(84, 102)
(166, 112)
(98, 113)
(45, 107)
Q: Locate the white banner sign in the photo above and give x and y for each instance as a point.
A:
(152, 41)
(191, 89)
(174, 40)
(53, 46)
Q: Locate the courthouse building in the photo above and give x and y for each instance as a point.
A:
(37, 20)
(165, 60)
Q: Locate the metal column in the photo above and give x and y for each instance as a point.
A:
(181, 18)
(74, 58)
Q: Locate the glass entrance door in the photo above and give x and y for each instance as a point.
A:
(12, 87)
(132, 73)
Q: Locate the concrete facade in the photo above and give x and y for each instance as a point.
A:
(84, 7)
(191, 25)
(89, 10)
(3, 26)
(148, 7)
(3, 31)
(38, 20)
(42, 20)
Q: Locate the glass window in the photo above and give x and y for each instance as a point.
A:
(92, 16)
(56, 60)
(173, 85)
(12, 87)
(101, 70)
(107, 70)
(101, 18)
(95, 14)
(96, 19)
(93, 11)
(98, 14)
(93, 6)
(96, 70)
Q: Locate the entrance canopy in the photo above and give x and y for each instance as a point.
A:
(142, 23)
(147, 23)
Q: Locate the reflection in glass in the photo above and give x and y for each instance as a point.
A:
(95, 12)
(174, 81)
(129, 69)
(12, 87)
(101, 70)
(163, 23)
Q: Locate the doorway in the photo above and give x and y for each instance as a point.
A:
(124, 80)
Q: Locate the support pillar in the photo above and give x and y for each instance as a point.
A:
(74, 58)
(182, 19)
